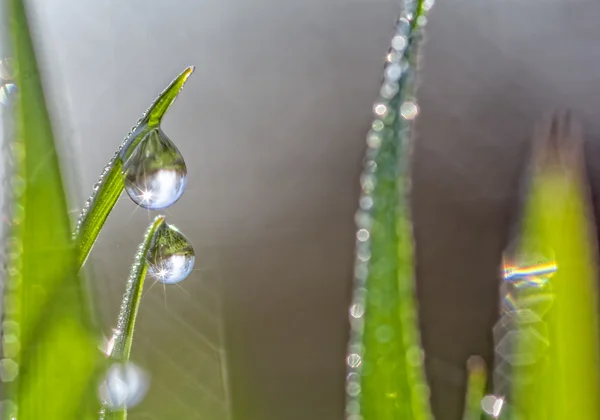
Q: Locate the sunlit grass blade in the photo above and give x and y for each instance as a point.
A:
(53, 360)
(122, 339)
(476, 383)
(564, 383)
(386, 379)
(109, 187)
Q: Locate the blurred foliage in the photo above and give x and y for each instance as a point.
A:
(557, 215)
(56, 360)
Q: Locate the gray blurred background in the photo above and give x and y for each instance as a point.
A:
(272, 126)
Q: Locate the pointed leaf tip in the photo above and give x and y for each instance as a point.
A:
(164, 101)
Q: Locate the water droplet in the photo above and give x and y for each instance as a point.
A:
(354, 360)
(8, 410)
(373, 140)
(388, 90)
(124, 386)
(357, 310)
(380, 109)
(9, 369)
(155, 172)
(7, 92)
(398, 42)
(394, 57)
(366, 202)
(492, 405)
(353, 388)
(409, 110)
(7, 69)
(171, 256)
(362, 235)
(377, 125)
(393, 72)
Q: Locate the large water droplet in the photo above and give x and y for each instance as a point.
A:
(171, 256)
(155, 173)
(124, 386)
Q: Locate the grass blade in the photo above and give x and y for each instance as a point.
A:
(123, 337)
(565, 382)
(56, 357)
(385, 377)
(110, 185)
(477, 376)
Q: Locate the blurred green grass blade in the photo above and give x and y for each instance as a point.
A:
(57, 354)
(557, 215)
(477, 377)
(109, 186)
(386, 378)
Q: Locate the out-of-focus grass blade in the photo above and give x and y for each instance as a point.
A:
(109, 187)
(476, 384)
(56, 356)
(385, 378)
(123, 337)
(557, 215)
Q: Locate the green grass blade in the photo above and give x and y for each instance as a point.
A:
(57, 357)
(565, 382)
(386, 379)
(110, 185)
(123, 337)
(477, 377)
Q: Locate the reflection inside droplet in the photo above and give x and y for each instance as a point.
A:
(171, 257)
(155, 173)
(124, 386)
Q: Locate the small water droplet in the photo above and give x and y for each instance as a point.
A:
(7, 92)
(409, 110)
(388, 90)
(492, 405)
(155, 172)
(124, 386)
(393, 72)
(357, 310)
(171, 257)
(9, 369)
(7, 69)
(398, 42)
(8, 410)
(380, 109)
(362, 235)
(353, 388)
(377, 125)
(394, 57)
(354, 360)
(374, 140)
(366, 202)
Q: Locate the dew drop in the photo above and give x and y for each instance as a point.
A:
(7, 69)
(155, 172)
(124, 386)
(353, 360)
(7, 92)
(171, 256)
